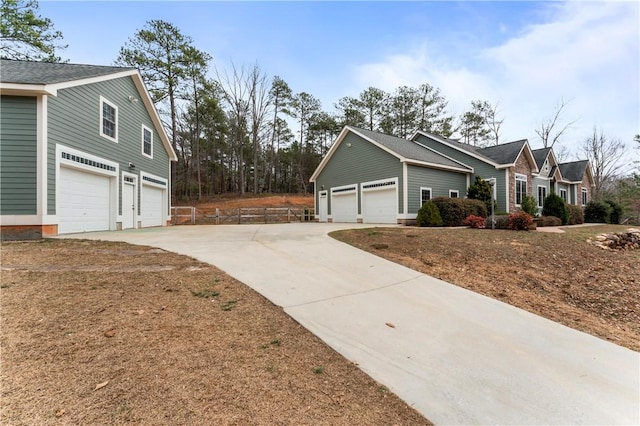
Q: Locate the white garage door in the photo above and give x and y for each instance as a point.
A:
(379, 206)
(84, 202)
(151, 206)
(344, 207)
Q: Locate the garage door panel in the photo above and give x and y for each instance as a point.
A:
(85, 202)
(151, 206)
(380, 206)
(344, 207)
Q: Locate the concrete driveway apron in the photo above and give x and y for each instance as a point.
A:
(455, 356)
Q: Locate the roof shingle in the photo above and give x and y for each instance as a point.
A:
(27, 72)
(573, 171)
(409, 149)
(506, 153)
(541, 155)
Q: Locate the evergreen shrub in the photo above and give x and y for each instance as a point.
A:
(555, 206)
(429, 215)
(597, 212)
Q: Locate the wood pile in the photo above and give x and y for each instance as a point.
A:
(629, 240)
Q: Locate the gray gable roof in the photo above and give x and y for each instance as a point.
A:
(409, 149)
(506, 153)
(540, 155)
(574, 171)
(26, 72)
(459, 145)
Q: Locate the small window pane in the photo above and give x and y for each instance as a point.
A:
(146, 142)
(542, 194)
(425, 195)
(521, 188)
(108, 120)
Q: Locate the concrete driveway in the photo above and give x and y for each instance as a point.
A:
(456, 356)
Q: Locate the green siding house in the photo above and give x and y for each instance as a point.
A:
(510, 166)
(370, 177)
(517, 170)
(82, 149)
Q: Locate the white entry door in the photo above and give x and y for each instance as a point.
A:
(323, 206)
(84, 201)
(128, 205)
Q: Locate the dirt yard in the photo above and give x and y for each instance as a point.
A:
(558, 276)
(108, 333)
(267, 200)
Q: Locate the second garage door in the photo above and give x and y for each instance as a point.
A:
(344, 204)
(151, 206)
(84, 201)
(380, 202)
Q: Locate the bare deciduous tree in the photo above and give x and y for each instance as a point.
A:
(605, 156)
(550, 130)
(492, 122)
(237, 95)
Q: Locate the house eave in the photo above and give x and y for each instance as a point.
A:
(153, 113)
(17, 89)
(444, 142)
(438, 166)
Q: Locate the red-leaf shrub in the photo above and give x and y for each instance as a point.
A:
(520, 221)
(474, 221)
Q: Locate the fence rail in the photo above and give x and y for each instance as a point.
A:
(183, 215)
(241, 215)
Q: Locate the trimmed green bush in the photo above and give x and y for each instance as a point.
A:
(597, 212)
(474, 207)
(555, 206)
(429, 215)
(451, 210)
(616, 212)
(454, 211)
(480, 190)
(576, 214)
(529, 205)
(520, 221)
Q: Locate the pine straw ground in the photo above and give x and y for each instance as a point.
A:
(101, 333)
(558, 276)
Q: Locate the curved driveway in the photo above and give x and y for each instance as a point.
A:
(456, 356)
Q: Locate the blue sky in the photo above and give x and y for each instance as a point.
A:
(525, 56)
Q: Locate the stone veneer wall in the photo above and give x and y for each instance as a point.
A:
(522, 167)
(586, 183)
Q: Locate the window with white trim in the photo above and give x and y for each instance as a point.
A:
(563, 194)
(425, 195)
(542, 194)
(521, 188)
(584, 196)
(147, 141)
(454, 193)
(108, 120)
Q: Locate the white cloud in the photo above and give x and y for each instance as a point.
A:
(586, 52)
